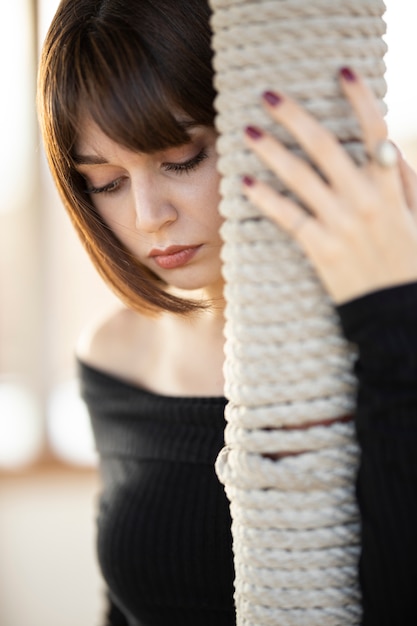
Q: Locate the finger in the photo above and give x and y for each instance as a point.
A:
(409, 182)
(293, 171)
(285, 213)
(371, 120)
(366, 107)
(320, 144)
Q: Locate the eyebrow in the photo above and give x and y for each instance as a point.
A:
(89, 159)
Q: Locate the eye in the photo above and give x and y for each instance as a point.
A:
(186, 166)
(109, 188)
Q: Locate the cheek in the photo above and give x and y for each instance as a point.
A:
(116, 211)
(210, 197)
(121, 224)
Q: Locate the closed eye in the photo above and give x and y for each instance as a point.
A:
(186, 166)
(178, 168)
(109, 188)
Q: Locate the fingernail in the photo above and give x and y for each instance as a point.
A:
(248, 181)
(253, 132)
(272, 98)
(348, 74)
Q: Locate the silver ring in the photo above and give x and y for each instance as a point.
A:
(385, 154)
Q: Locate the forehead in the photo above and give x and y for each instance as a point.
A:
(91, 139)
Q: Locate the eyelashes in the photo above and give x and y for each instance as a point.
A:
(178, 168)
(110, 188)
(186, 166)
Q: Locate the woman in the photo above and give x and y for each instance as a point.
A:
(126, 107)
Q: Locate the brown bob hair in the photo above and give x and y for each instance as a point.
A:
(129, 64)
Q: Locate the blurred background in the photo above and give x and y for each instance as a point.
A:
(48, 292)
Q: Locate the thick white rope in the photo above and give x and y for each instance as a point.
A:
(295, 520)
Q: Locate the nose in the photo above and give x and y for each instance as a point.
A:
(154, 205)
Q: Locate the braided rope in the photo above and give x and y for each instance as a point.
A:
(295, 520)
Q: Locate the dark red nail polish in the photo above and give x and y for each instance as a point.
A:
(272, 98)
(253, 132)
(248, 181)
(348, 74)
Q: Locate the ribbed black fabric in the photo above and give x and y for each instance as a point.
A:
(384, 326)
(164, 541)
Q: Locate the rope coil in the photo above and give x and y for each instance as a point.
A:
(295, 520)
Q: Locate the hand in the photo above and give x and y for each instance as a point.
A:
(360, 231)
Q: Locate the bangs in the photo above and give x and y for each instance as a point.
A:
(127, 98)
(141, 92)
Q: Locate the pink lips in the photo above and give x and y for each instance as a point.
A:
(174, 256)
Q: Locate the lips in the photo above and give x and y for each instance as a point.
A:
(173, 256)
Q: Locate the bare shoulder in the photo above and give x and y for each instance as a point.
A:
(113, 342)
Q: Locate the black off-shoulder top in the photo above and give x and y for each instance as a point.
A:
(164, 538)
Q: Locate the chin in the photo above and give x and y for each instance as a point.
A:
(198, 289)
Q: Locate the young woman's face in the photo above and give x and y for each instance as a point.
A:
(163, 206)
